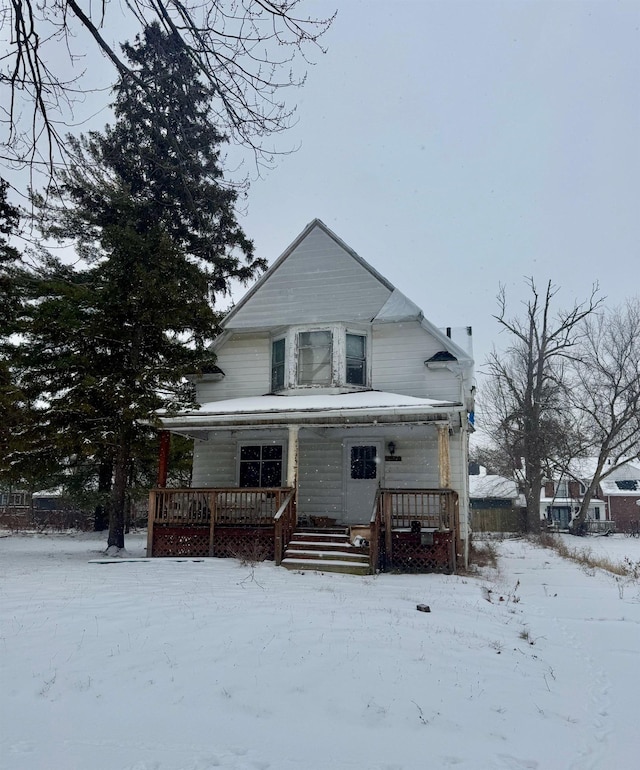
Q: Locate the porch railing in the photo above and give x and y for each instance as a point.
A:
(250, 507)
(408, 509)
(431, 508)
(220, 507)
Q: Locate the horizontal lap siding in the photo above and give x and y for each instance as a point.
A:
(399, 353)
(418, 468)
(320, 478)
(293, 294)
(214, 463)
(246, 364)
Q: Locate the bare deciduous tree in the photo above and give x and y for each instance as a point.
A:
(245, 49)
(604, 390)
(524, 400)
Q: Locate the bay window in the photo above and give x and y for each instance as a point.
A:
(329, 357)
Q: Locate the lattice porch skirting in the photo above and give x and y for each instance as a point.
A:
(248, 543)
(409, 555)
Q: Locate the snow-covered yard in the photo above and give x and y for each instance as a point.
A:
(190, 665)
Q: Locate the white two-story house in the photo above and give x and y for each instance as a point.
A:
(334, 403)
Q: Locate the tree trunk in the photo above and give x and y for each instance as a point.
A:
(532, 497)
(119, 491)
(105, 475)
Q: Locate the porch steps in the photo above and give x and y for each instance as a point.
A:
(325, 550)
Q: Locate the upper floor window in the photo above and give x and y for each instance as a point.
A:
(277, 364)
(562, 489)
(330, 357)
(356, 359)
(314, 358)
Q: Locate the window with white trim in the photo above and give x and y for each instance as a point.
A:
(314, 358)
(356, 359)
(329, 356)
(278, 350)
(260, 465)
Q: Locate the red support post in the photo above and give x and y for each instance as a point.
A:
(163, 458)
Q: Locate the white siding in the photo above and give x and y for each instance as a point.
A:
(399, 353)
(318, 282)
(214, 462)
(320, 477)
(245, 360)
(418, 468)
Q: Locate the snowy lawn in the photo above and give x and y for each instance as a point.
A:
(190, 665)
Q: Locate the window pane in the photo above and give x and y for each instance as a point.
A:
(277, 364)
(250, 453)
(363, 462)
(249, 474)
(355, 345)
(271, 474)
(314, 358)
(272, 452)
(355, 372)
(356, 359)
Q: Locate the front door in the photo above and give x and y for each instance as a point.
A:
(363, 470)
(561, 514)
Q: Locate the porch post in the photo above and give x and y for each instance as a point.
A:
(292, 457)
(163, 457)
(444, 458)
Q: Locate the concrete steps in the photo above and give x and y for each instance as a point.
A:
(325, 550)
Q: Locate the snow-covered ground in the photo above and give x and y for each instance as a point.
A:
(190, 665)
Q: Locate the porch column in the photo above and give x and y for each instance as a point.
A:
(163, 457)
(292, 457)
(444, 457)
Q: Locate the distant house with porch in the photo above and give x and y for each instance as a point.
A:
(333, 431)
(562, 497)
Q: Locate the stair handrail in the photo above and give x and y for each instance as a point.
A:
(284, 525)
(374, 533)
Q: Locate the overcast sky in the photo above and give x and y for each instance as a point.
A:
(458, 145)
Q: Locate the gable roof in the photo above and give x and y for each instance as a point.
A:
(315, 240)
(287, 293)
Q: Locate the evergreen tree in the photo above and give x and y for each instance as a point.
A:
(154, 225)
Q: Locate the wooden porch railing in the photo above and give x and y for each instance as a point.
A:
(210, 508)
(406, 509)
(432, 508)
(285, 523)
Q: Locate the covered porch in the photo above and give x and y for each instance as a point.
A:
(410, 530)
(377, 468)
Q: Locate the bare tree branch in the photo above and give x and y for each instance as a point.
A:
(525, 399)
(247, 50)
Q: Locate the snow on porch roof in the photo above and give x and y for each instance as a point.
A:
(283, 409)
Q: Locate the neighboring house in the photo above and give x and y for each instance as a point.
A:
(562, 497)
(334, 402)
(40, 509)
(621, 493)
(494, 501)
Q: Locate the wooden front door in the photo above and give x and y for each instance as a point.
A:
(363, 466)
